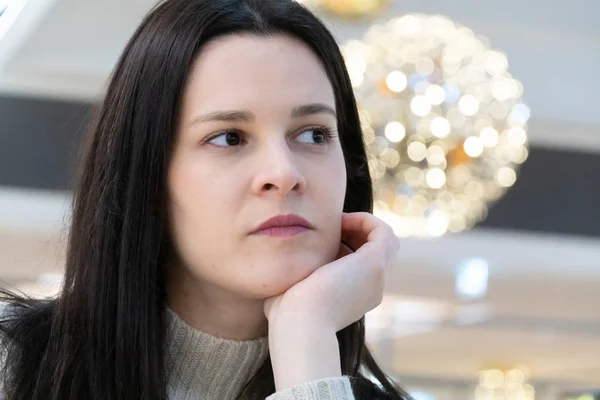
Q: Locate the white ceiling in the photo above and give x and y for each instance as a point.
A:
(541, 308)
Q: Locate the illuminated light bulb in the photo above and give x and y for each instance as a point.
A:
(501, 89)
(420, 106)
(520, 156)
(451, 93)
(489, 137)
(417, 151)
(435, 155)
(468, 105)
(519, 115)
(517, 136)
(473, 146)
(395, 131)
(440, 127)
(496, 63)
(396, 81)
(505, 176)
(352, 9)
(390, 158)
(522, 110)
(435, 178)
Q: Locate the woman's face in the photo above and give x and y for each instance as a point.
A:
(252, 143)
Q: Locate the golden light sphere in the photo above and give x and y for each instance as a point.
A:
(444, 121)
(349, 9)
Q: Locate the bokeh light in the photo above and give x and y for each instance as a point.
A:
(443, 119)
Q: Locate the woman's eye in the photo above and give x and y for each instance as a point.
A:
(226, 139)
(316, 135)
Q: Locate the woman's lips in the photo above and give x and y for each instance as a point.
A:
(283, 225)
(283, 231)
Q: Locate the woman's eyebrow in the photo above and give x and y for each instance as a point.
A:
(310, 109)
(247, 116)
(225, 116)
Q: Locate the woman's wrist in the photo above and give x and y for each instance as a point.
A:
(302, 350)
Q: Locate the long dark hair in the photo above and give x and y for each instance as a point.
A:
(104, 337)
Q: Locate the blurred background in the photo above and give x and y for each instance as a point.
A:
(483, 125)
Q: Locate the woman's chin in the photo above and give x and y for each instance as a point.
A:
(278, 277)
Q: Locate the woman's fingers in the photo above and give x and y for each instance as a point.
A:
(361, 227)
(356, 228)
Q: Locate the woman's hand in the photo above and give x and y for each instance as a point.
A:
(341, 292)
(304, 320)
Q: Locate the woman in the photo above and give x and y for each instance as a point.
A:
(223, 171)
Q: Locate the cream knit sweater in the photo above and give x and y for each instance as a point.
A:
(204, 367)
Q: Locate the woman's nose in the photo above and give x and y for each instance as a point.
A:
(278, 171)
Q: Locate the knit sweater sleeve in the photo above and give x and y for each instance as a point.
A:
(322, 389)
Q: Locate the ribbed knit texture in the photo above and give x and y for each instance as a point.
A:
(200, 366)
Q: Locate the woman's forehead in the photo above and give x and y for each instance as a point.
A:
(242, 71)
